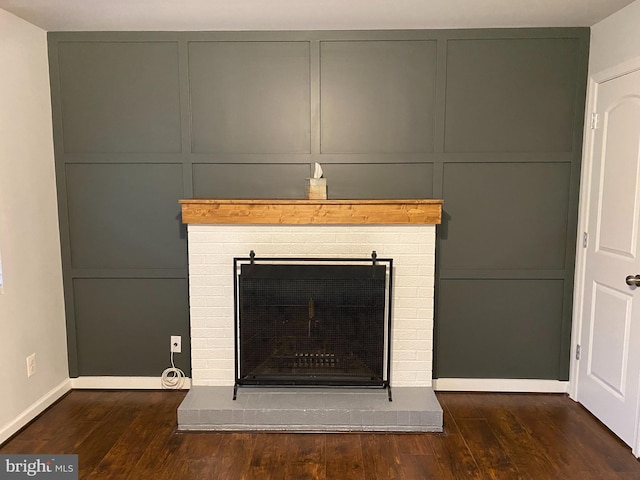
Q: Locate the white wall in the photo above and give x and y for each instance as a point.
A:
(615, 39)
(31, 305)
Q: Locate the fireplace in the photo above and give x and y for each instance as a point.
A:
(221, 230)
(312, 322)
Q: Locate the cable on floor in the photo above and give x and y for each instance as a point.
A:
(172, 378)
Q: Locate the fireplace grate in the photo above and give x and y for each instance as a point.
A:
(312, 360)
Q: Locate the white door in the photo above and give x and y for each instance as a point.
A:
(609, 367)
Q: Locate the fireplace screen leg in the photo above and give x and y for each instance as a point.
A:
(389, 392)
(235, 390)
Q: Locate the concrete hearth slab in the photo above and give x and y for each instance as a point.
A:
(413, 409)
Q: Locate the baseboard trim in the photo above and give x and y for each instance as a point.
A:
(514, 385)
(34, 410)
(121, 383)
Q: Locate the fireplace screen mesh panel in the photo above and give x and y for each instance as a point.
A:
(312, 324)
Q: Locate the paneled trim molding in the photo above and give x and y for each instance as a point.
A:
(442, 384)
(512, 385)
(121, 383)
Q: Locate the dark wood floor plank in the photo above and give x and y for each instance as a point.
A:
(160, 456)
(80, 406)
(92, 449)
(132, 435)
(561, 449)
(460, 405)
(524, 450)
(449, 425)
(344, 457)
(270, 456)
(121, 459)
(161, 446)
(381, 456)
(594, 439)
(420, 466)
(490, 456)
(414, 444)
(307, 458)
(20, 446)
(454, 457)
(199, 453)
(233, 456)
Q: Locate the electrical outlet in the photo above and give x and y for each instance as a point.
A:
(176, 344)
(31, 365)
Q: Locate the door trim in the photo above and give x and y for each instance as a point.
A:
(595, 80)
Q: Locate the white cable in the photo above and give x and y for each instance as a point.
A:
(172, 378)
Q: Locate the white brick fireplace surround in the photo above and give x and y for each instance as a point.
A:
(213, 247)
(220, 230)
(410, 244)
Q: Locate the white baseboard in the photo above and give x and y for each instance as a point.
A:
(514, 385)
(34, 410)
(121, 383)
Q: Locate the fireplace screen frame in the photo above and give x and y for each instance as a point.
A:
(382, 381)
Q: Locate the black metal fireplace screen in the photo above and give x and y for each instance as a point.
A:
(312, 322)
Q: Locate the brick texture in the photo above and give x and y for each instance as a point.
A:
(213, 247)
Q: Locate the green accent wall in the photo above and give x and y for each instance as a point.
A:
(489, 120)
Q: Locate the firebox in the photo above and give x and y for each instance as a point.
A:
(312, 322)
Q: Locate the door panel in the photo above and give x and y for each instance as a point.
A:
(609, 371)
(618, 215)
(609, 338)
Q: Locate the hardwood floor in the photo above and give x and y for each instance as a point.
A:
(131, 435)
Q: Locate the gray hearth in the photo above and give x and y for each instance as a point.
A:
(413, 409)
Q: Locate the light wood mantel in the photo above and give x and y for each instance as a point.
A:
(312, 212)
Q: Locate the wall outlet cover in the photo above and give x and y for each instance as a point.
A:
(31, 365)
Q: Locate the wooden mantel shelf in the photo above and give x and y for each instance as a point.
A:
(312, 212)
